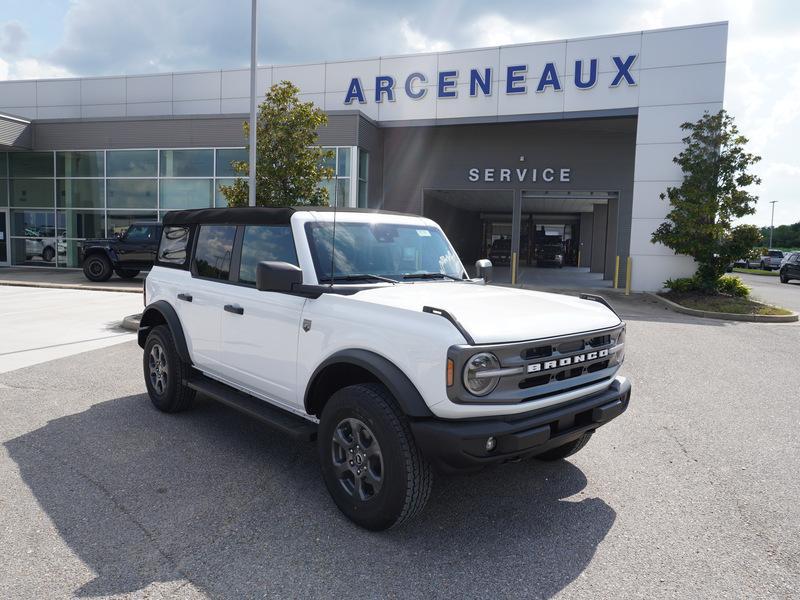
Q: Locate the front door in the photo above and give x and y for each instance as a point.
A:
(3, 237)
(260, 332)
(137, 248)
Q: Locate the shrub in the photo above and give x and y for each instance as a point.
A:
(732, 286)
(729, 285)
(682, 284)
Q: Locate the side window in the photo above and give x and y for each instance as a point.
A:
(139, 233)
(174, 241)
(265, 242)
(212, 255)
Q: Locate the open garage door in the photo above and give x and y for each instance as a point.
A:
(540, 239)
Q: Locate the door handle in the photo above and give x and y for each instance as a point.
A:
(186, 297)
(233, 308)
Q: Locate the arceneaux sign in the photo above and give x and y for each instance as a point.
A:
(480, 81)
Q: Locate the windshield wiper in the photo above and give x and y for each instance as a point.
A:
(357, 277)
(430, 276)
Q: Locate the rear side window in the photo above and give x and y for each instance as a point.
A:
(174, 244)
(265, 242)
(212, 255)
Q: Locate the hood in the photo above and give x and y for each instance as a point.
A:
(493, 314)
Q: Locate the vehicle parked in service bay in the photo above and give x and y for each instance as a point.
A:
(126, 255)
(790, 269)
(362, 329)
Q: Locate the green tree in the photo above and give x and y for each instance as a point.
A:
(289, 163)
(713, 194)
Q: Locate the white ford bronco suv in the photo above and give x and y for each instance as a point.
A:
(362, 330)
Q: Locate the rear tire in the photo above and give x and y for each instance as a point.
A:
(97, 267)
(126, 273)
(567, 449)
(370, 462)
(784, 278)
(48, 254)
(165, 372)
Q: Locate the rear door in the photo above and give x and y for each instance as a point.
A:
(260, 333)
(201, 304)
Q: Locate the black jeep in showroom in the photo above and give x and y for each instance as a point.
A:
(125, 254)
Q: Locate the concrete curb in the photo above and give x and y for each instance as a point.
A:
(69, 286)
(131, 322)
(708, 314)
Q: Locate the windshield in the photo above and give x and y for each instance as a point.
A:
(370, 251)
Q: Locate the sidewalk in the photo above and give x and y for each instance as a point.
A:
(72, 279)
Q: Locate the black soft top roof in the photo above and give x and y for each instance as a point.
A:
(258, 215)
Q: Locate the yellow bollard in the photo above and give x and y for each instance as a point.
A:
(628, 277)
(616, 274)
(513, 268)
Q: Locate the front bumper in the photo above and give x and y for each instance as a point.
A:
(460, 445)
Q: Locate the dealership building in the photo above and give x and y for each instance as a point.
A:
(516, 151)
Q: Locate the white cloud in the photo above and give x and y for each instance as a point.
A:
(119, 36)
(12, 37)
(415, 41)
(497, 30)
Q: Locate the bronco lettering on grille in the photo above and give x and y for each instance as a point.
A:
(567, 360)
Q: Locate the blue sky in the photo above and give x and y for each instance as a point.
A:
(62, 38)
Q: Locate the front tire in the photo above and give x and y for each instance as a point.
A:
(568, 449)
(97, 268)
(48, 254)
(784, 278)
(165, 372)
(126, 273)
(370, 462)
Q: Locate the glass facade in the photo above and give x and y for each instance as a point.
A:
(55, 200)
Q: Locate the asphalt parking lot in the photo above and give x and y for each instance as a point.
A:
(692, 493)
(769, 289)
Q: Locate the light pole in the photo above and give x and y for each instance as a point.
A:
(772, 222)
(251, 186)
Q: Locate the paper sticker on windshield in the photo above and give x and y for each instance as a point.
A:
(423, 233)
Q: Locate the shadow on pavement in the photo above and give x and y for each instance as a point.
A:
(240, 511)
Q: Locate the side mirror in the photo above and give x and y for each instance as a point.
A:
(483, 269)
(272, 276)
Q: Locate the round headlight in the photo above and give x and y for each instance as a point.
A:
(475, 379)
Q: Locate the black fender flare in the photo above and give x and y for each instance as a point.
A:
(108, 253)
(385, 371)
(156, 313)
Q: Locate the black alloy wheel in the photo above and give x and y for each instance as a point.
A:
(165, 372)
(357, 459)
(97, 267)
(370, 462)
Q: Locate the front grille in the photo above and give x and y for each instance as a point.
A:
(549, 366)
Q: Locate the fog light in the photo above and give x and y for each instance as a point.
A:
(490, 444)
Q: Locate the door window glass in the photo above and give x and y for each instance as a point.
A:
(212, 257)
(265, 242)
(140, 233)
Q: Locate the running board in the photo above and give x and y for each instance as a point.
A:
(279, 419)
